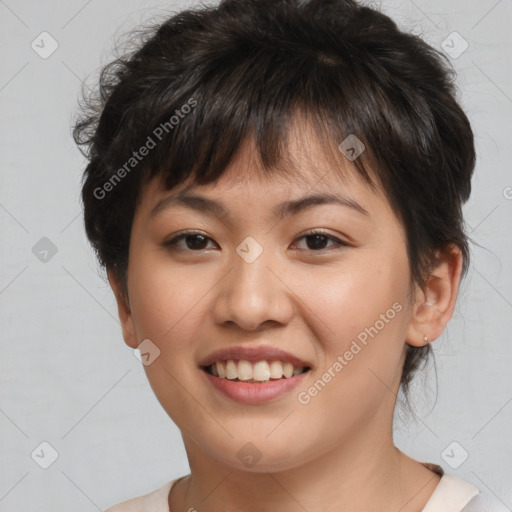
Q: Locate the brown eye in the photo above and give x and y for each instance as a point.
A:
(192, 242)
(316, 241)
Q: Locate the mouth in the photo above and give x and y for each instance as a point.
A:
(259, 372)
(254, 383)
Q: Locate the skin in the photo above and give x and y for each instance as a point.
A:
(336, 453)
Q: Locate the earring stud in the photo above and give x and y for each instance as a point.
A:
(425, 339)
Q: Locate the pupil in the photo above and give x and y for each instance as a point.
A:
(195, 245)
(317, 238)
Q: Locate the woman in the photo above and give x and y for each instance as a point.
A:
(275, 189)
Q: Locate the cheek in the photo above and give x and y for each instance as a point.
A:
(347, 299)
(360, 318)
(165, 310)
(362, 356)
(164, 299)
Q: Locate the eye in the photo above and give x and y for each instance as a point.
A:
(315, 241)
(194, 241)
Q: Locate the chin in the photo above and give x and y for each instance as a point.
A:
(257, 455)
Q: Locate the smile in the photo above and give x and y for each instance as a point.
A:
(255, 383)
(260, 371)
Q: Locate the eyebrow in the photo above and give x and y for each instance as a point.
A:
(287, 208)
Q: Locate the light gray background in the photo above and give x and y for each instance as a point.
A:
(66, 375)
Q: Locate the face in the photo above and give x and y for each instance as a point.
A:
(328, 283)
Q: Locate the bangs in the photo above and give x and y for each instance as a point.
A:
(197, 127)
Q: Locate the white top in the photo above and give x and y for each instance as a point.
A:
(452, 494)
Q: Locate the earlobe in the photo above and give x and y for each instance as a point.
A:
(436, 301)
(124, 311)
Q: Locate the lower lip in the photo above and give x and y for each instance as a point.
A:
(253, 393)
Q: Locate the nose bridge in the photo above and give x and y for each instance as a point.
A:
(252, 294)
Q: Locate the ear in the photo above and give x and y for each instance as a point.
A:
(124, 312)
(435, 302)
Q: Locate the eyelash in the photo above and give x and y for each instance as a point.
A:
(172, 243)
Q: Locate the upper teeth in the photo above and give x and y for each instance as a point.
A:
(260, 371)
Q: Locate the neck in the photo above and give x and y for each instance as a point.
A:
(353, 477)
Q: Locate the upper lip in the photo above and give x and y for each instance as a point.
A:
(253, 354)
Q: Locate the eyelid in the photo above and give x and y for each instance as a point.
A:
(186, 232)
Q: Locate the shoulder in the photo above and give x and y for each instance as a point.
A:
(453, 494)
(155, 501)
(484, 502)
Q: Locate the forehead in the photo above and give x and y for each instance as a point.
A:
(307, 163)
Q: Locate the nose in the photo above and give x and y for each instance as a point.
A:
(253, 295)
